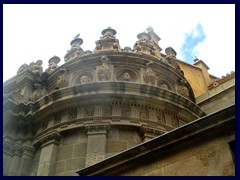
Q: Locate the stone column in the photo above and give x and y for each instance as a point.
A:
(96, 144)
(48, 154)
(26, 160)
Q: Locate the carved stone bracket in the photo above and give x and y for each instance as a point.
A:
(48, 138)
(150, 132)
(94, 128)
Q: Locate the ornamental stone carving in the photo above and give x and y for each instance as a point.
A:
(89, 111)
(85, 79)
(22, 68)
(103, 71)
(36, 68)
(108, 33)
(171, 59)
(61, 81)
(126, 77)
(39, 91)
(149, 75)
(144, 44)
(108, 41)
(53, 64)
(75, 50)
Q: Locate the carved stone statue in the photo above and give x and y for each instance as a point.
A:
(137, 47)
(85, 79)
(22, 68)
(149, 75)
(116, 46)
(103, 71)
(53, 64)
(182, 89)
(36, 68)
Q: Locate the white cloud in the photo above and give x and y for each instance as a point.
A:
(32, 32)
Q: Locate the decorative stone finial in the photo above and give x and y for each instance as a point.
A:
(52, 64)
(108, 32)
(170, 50)
(149, 29)
(75, 50)
(143, 36)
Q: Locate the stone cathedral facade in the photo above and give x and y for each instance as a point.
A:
(98, 104)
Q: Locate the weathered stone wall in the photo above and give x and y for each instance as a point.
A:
(218, 97)
(121, 139)
(207, 156)
(71, 155)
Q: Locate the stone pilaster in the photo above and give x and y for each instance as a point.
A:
(96, 144)
(48, 154)
(27, 159)
(15, 164)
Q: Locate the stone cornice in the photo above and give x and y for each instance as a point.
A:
(97, 89)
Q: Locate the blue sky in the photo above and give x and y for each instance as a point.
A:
(192, 39)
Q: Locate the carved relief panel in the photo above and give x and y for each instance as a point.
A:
(126, 74)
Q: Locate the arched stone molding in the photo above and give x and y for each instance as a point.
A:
(164, 84)
(83, 77)
(127, 74)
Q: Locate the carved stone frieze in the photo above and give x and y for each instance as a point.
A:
(107, 110)
(89, 111)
